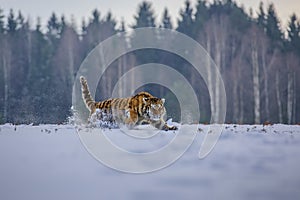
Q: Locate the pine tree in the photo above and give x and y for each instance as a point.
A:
(63, 24)
(53, 34)
(2, 28)
(98, 30)
(261, 19)
(201, 16)
(96, 16)
(38, 25)
(11, 22)
(19, 43)
(185, 23)
(273, 26)
(39, 77)
(166, 20)
(53, 26)
(122, 28)
(65, 63)
(90, 32)
(294, 33)
(20, 20)
(145, 16)
(108, 25)
(83, 28)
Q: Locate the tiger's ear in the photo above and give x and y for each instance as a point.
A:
(163, 100)
(145, 99)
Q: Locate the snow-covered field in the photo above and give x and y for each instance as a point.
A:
(248, 162)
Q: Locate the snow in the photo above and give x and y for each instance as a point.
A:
(248, 162)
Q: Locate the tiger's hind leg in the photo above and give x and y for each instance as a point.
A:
(102, 118)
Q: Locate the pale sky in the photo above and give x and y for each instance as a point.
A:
(125, 9)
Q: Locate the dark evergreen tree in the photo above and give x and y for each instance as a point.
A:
(166, 20)
(97, 30)
(20, 20)
(2, 28)
(39, 78)
(261, 19)
(83, 28)
(96, 16)
(145, 16)
(239, 20)
(122, 27)
(185, 23)
(108, 27)
(53, 26)
(19, 61)
(63, 24)
(273, 26)
(201, 16)
(216, 8)
(91, 33)
(65, 63)
(53, 35)
(11, 22)
(294, 34)
(38, 25)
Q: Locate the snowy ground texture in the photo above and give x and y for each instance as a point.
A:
(248, 162)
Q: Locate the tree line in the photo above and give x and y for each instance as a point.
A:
(258, 60)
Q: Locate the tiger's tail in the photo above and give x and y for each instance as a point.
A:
(86, 96)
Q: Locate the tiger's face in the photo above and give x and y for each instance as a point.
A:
(156, 109)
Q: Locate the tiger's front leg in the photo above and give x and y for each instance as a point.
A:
(131, 118)
(162, 125)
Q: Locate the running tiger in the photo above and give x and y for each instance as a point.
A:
(142, 107)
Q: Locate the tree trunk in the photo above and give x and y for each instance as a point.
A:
(6, 86)
(290, 98)
(217, 88)
(237, 85)
(235, 100)
(132, 62)
(121, 66)
(295, 100)
(256, 88)
(241, 118)
(209, 77)
(217, 81)
(266, 87)
(266, 69)
(71, 63)
(278, 97)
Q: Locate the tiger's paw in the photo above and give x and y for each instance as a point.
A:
(169, 128)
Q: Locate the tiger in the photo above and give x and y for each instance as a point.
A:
(131, 111)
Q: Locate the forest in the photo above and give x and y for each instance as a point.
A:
(258, 59)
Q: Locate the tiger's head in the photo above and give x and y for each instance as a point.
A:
(155, 108)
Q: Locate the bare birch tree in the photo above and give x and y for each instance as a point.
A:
(255, 73)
